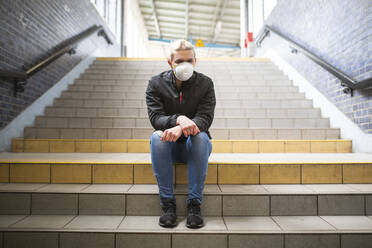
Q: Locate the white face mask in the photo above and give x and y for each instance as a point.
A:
(184, 71)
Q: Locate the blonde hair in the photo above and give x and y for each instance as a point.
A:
(179, 45)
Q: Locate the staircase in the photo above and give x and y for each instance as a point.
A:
(278, 176)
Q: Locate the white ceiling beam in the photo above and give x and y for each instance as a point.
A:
(172, 31)
(217, 10)
(175, 25)
(225, 3)
(187, 19)
(197, 18)
(201, 16)
(155, 18)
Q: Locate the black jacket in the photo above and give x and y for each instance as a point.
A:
(196, 100)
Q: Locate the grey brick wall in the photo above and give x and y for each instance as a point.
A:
(29, 31)
(338, 31)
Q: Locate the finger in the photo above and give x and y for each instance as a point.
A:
(189, 131)
(196, 130)
(193, 130)
(169, 135)
(174, 137)
(184, 131)
(165, 135)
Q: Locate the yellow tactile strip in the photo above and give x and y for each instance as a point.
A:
(198, 59)
(143, 146)
(223, 173)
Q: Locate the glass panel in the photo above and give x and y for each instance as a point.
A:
(257, 16)
(259, 10)
(269, 6)
(110, 10)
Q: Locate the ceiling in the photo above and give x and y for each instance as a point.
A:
(212, 21)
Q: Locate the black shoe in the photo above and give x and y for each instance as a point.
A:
(168, 209)
(194, 217)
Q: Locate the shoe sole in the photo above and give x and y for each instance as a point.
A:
(194, 227)
(163, 225)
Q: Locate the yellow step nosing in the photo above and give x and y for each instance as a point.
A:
(141, 173)
(144, 162)
(142, 146)
(213, 140)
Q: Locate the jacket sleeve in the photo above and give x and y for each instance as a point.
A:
(155, 109)
(205, 111)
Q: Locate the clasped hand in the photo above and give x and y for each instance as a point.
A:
(184, 125)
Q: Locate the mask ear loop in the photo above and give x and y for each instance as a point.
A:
(174, 70)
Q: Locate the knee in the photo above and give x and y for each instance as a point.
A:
(156, 135)
(201, 137)
(155, 138)
(201, 140)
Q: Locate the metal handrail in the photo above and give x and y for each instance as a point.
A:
(20, 77)
(347, 82)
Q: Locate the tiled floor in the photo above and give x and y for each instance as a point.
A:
(208, 189)
(292, 223)
(21, 187)
(329, 188)
(349, 222)
(264, 224)
(108, 158)
(66, 188)
(95, 222)
(144, 188)
(107, 188)
(7, 220)
(361, 187)
(243, 189)
(266, 189)
(288, 189)
(43, 221)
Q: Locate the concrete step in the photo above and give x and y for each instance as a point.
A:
(221, 70)
(144, 122)
(97, 231)
(141, 82)
(120, 74)
(222, 133)
(118, 86)
(219, 112)
(199, 67)
(218, 200)
(219, 96)
(230, 168)
(249, 103)
(200, 64)
(223, 74)
(252, 76)
(216, 82)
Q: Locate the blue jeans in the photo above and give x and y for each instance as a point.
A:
(194, 151)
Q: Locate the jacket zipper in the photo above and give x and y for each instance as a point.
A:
(180, 96)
